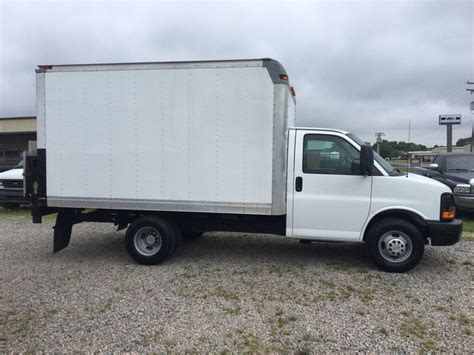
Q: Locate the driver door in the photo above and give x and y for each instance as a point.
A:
(331, 199)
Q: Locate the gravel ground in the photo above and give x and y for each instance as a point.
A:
(226, 292)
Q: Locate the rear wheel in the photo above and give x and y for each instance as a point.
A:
(151, 239)
(395, 245)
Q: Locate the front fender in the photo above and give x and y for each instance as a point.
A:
(394, 211)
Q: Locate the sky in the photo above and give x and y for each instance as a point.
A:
(361, 66)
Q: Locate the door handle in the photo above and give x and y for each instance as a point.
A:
(299, 184)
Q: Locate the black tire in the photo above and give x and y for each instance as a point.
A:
(401, 248)
(165, 233)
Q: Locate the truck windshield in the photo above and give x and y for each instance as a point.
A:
(460, 163)
(382, 162)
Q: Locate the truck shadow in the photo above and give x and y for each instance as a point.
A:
(225, 248)
(247, 249)
(233, 249)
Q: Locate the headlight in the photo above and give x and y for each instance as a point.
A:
(448, 209)
(462, 189)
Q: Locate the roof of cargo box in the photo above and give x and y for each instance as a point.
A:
(276, 70)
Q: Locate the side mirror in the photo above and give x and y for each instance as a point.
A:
(366, 159)
(433, 166)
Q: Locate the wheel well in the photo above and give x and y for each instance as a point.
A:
(411, 217)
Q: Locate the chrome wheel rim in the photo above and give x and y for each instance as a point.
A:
(147, 241)
(395, 246)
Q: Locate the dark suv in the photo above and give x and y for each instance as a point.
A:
(457, 171)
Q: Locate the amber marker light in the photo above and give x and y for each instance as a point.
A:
(448, 215)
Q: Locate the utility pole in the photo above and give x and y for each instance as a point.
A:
(449, 138)
(472, 111)
(378, 140)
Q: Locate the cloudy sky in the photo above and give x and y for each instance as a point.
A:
(361, 66)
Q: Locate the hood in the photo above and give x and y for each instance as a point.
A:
(427, 181)
(460, 177)
(13, 174)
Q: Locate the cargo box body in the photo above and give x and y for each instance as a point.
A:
(181, 136)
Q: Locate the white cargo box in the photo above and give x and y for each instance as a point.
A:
(183, 136)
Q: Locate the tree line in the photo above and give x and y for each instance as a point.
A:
(394, 149)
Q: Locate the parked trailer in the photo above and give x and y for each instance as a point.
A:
(173, 148)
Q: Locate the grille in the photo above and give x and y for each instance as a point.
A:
(13, 184)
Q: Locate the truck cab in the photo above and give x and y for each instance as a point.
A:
(330, 197)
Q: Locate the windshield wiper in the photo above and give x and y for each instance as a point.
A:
(457, 169)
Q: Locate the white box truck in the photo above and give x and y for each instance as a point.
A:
(174, 148)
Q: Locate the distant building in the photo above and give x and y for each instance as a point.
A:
(465, 149)
(15, 132)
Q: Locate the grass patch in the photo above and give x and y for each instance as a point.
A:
(15, 213)
(233, 311)
(441, 308)
(23, 213)
(463, 319)
(427, 346)
(248, 343)
(414, 327)
(360, 312)
(468, 228)
(16, 324)
(106, 305)
(468, 224)
(327, 283)
(170, 342)
(201, 292)
(283, 320)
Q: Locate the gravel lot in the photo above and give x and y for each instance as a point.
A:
(226, 292)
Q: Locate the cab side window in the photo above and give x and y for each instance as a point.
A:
(326, 154)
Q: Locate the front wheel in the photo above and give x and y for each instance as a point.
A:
(395, 245)
(151, 239)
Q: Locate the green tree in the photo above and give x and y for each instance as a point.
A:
(392, 149)
(463, 141)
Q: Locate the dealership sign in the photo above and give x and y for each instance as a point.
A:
(449, 119)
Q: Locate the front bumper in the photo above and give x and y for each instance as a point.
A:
(12, 196)
(445, 233)
(464, 202)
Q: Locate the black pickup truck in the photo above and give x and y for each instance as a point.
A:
(457, 171)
